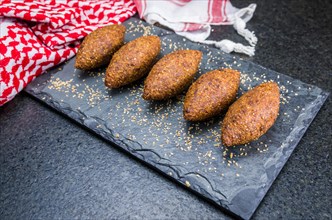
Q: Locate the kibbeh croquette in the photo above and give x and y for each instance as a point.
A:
(171, 74)
(252, 115)
(132, 61)
(98, 47)
(211, 94)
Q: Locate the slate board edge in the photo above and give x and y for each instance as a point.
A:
(321, 99)
(67, 111)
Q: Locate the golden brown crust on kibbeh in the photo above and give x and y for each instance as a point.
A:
(211, 94)
(171, 74)
(251, 115)
(132, 61)
(98, 47)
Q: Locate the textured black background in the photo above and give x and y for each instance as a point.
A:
(52, 168)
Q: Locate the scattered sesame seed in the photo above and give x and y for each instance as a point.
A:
(187, 183)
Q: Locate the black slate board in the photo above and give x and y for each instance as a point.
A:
(235, 178)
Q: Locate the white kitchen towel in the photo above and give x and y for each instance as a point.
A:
(193, 19)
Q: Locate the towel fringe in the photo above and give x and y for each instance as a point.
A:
(229, 46)
(240, 26)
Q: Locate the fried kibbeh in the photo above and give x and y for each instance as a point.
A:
(132, 61)
(211, 94)
(252, 115)
(98, 47)
(171, 74)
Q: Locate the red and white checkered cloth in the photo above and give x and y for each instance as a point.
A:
(193, 19)
(36, 35)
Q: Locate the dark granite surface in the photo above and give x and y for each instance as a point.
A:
(52, 168)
